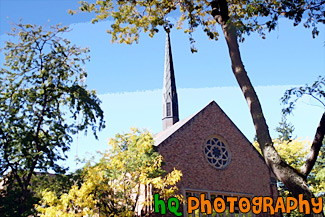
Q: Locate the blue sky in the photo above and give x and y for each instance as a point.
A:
(128, 78)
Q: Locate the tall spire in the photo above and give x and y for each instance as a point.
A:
(170, 102)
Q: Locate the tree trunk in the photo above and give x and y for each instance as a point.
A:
(290, 177)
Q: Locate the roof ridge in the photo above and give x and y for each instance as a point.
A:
(165, 134)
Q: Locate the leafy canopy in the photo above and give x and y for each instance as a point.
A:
(316, 91)
(39, 88)
(113, 186)
(132, 17)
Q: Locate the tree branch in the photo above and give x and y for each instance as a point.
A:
(45, 101)
(315, 147)
(310, 94)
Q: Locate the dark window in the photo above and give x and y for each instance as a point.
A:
(168, 110)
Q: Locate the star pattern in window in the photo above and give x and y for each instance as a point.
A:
(217, 153)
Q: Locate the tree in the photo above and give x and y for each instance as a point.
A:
(58, 183)
(317, 92)
(235, 18)
(285, 130)
(42, 104)
(113, 186)
(294, 153)
(313, 167)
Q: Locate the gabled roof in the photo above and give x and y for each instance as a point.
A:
(163, 135)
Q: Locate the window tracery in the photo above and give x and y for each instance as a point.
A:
(217, 152)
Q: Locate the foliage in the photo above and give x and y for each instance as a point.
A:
(132, 17)
(294, 152)
(40, 100)
(10, 203)
(57, 183)
(316, 91)
(113, 186)
(284, 130)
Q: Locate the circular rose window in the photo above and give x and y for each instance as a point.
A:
(217, 153)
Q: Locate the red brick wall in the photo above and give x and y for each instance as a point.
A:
(247, 173)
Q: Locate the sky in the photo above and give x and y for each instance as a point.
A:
(128, 78)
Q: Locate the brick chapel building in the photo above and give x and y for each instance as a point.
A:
(213, 154)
